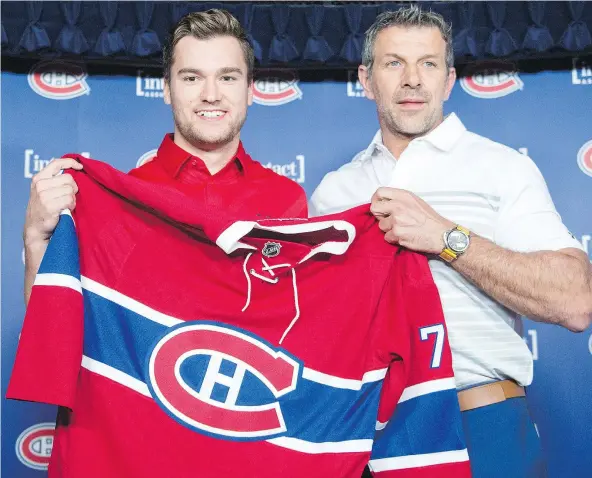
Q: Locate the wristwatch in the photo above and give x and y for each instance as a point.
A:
(456, 242)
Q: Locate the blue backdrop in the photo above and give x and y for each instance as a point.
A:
(302, 130)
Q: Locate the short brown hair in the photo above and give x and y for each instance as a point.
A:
(203, 26)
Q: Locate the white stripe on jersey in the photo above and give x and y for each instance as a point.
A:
(347, 446)
(58, 280)
(416, 461)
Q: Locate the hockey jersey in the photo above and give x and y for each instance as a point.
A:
(180, 342)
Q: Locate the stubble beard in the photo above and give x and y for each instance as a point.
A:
(412, 126)
(204, 140)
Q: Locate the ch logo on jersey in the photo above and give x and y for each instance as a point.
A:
(585, 158)
(58, 80)
(276, 88)
(146, 157)
(221, 381)
(492, 80)
(34, 445)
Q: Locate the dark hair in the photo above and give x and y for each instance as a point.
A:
(203, 26)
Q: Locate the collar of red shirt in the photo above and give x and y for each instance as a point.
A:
(175, 166)
(172, 158)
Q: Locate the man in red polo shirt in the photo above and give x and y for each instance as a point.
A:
(208, 70)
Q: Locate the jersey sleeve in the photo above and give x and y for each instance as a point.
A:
(419, 429)
(528, 220)
(49, 352)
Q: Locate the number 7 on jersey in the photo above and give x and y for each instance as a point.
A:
(438, 331)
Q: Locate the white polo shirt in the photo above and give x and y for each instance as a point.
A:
(487, 187)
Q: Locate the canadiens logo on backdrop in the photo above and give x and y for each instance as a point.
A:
(221, 381)
(581, 73)
(146, 157)
(492, 80)
(274, 88)
(34, 162)
(354, 87)
(34, 445)
(149, 86)
(58, 80)
(585, 158)
(294, 169)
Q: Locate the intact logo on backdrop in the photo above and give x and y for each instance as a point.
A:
(492, 80)
(149, 86)
(294, 170)
(581, 73)
(58, 80)
(34, 445)
(35, 163)
(354, 87)
(585, 158)
(222, 381)
(146, 157)
(274, 88)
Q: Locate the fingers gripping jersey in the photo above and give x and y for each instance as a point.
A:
(188, 344)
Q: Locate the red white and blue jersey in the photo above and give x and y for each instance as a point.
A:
(180, 342)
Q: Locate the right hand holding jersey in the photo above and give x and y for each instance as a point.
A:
(51, 192)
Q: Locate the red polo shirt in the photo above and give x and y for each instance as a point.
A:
(243, 186)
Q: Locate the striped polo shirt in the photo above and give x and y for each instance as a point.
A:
(486, 187)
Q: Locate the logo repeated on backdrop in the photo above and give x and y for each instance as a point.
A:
(354, 87)
(274, 88)
(294, 170)
(491, 80)
(34, 445)
(58, 80)
(34, 163)
(221, 381)
(146, 157)
(149, 86)
(585, 158)
(581, 73)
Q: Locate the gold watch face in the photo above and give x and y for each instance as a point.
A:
(458, 241)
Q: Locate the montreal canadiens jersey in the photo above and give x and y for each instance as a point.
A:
(181, 342)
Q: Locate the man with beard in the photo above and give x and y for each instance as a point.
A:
(208, 70)
(482, 213)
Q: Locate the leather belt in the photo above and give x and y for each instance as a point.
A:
(488, 394)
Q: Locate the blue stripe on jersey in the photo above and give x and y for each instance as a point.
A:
(315, 412)
(424, 424)
(61, 256)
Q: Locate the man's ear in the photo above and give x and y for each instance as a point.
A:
(364, 77)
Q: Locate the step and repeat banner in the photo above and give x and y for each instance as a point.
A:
(301, 130)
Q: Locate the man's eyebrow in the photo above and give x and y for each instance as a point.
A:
(222, 71)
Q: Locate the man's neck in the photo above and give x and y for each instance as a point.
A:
(214, 157)
(397, 143)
